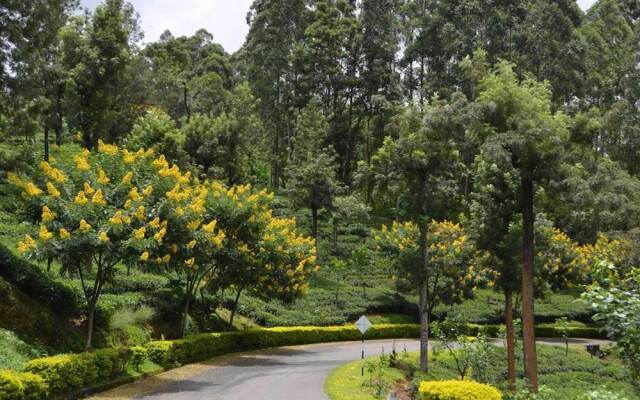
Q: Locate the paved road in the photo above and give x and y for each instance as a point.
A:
(288, 373)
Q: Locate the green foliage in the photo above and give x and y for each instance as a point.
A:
(615, 296)
(138, 356)
(458, 390)
(21, 386)
(14, 351)
(38, 284)
(67, 374)
(156, 130)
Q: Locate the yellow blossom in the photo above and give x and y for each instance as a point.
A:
(98, 198)
(210, 226)
(116, 220)
(193, 225)
(27, 244)
(32, 190)
(64, 234)
(47, 214)
(15, 179)
(191, 244)
(144, 256)
(107, 148)
(139, 233)
(81, 163)
(147, 191)
(140, 213)
(44, 233)
(127, 204)
(87, 188)
(155, 223)
(128, 157)
(103, 179)
(134, 195)
(166, 258)
(104, 238)
(84, 226)
(126, 180)
(52, 190)
(160, 235)
(190, 261)
(81, 199)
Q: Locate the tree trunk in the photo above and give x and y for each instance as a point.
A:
(185, 96)
(235, 308)
(424, 329)
(46, 142)
(528, 322)
(511, 340)
(185, 314)
(314, 223)
(91, 317)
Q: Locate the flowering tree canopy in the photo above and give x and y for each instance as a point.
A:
(116, 207)
(92, 211)
(453, 273)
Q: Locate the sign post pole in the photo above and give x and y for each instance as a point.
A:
(363, 325)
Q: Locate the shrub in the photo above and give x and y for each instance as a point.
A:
(38, 284)
(67, 374)
(458, 390)
(138, 356)
(21, 386)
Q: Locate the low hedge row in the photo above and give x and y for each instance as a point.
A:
(457, 390)
(22, 386)
(66, 375)
(203, 346)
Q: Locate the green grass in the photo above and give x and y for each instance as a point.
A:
(568, 376)
(14, 351)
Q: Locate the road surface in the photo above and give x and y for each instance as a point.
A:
(287, 373)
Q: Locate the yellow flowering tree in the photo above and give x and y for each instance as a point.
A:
(453, 273)
(93, 213)
(209, 235)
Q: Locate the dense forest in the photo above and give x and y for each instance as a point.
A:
(443, 145)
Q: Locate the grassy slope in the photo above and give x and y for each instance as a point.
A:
(568, 377)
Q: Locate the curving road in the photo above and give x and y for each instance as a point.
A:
(287, 373)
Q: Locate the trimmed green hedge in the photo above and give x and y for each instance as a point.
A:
(22, 385)
(67, 374)
(207, 345)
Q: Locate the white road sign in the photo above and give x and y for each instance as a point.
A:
(363, 324)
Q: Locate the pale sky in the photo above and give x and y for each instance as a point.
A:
(225, 19)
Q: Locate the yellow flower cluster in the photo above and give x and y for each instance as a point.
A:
(81, 161)
(47, 215)
(103, 179)
(110, 149)
(52, 190)
(27, 245)
(44, 233)
(84, 226)
(53, 173)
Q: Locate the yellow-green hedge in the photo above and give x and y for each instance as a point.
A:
(67, 374)
(21, 385)
(199, 347)
(458, 390)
